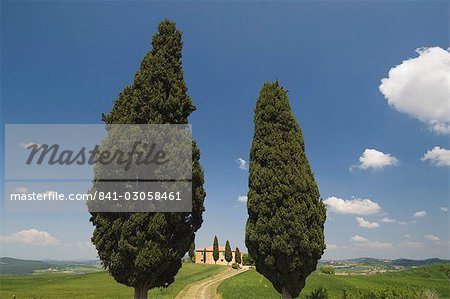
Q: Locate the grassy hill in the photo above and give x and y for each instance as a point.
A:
(251, 284)
(93, 285)
(20, 267)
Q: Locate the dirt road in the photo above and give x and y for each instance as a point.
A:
(206, 288)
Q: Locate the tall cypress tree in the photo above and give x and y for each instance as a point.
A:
(284, 232)
(215, 249)
(192, 252)
(228, 253)
(237, 256)
(144, 250)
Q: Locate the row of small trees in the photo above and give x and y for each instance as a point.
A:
(228, 252)
(284, 231)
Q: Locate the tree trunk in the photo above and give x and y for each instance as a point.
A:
(140, 293)
(285, 294)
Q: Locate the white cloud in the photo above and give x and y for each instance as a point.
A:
(387, 220)
(242, 163)
(332, 246)
(438, 156)
(242, 198)
(375, 160)
(30, 237)
(402, 223)
(366, 224)
(443, 209)
(352, 206)
(374, 245)
(420, 87)
(420, 214)
(358, 238)
(432, 238)
(407, 236)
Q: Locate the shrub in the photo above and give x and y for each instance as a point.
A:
(327, 270)
(319, 293)
(247, 260)
(235, 266)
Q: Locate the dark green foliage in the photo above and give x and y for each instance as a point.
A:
(319, 293)
(284, 232)
(247, 260)
(237, 256)
(144, 250)
(204, 255)
(228, 253)
(235, 266)
(192, 252)
(327, 270)
(216, 249)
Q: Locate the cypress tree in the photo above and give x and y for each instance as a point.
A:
(228, 253)
(144, 250)
(204, 255)
(192, 252)
(284, 232)
(215, 249)
(237, 256)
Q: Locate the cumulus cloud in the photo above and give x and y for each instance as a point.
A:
(372, 159)
(420, 87)
(366, 224)
(407, 236)
(419, 214)
(352, 206)
(358, 238)
(387, 220)
(242, 163)
(443, 209)
(242, 198)
(432, 238)
(30, 237)
(438, 156)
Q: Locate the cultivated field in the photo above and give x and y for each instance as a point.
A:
(94, 285)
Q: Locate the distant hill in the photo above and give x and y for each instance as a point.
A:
(407, 263)
(19, 267)
(12, 266)
(417, 263)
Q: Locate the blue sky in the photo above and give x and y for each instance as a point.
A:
(65, 62)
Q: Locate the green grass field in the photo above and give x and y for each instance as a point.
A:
(93, 285)
(251, 284)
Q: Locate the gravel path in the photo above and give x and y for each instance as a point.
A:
(206, 288)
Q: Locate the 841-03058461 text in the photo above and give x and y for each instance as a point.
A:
(99, 195)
